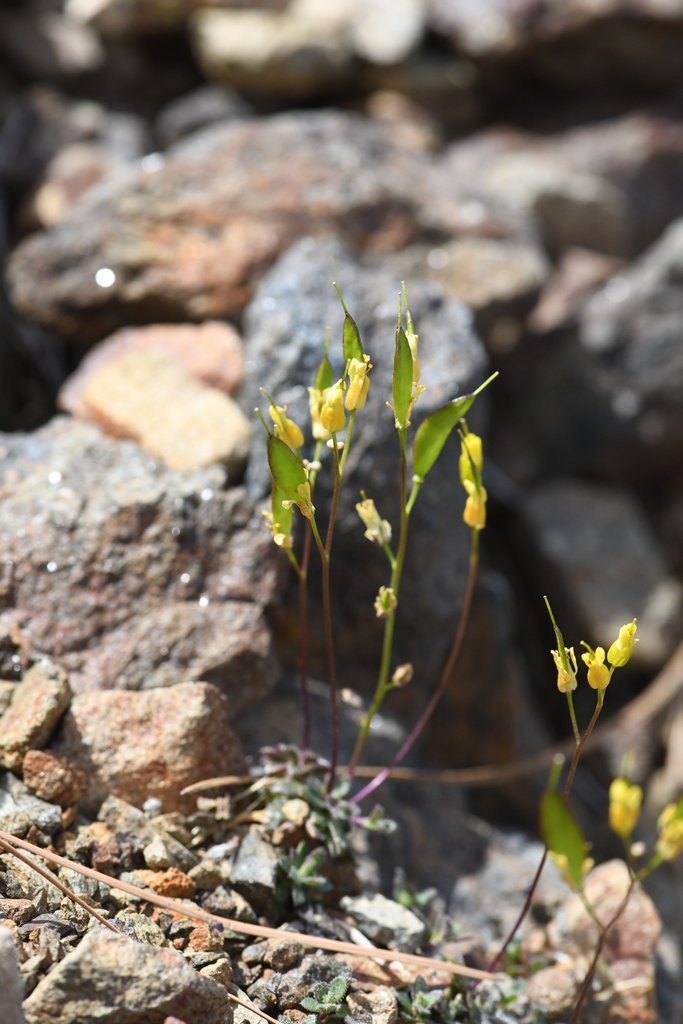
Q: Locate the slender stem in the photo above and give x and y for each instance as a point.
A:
(526, 907)
(383, 679)
(572, 715)
(347, 442)
(327, 617)
(578, 749)
(446, 674)
(302, 656)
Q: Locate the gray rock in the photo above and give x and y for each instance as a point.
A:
(128, 574)
(255, 873)
(603, 559)
(379, 1006)
(576, 44)
(10, 980)
(284, 330)
(19, 809)
(631, 329)
(207, 105)
(111, 978)
(385, 922)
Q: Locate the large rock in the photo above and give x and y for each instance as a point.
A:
(576, 43)
(128, 574)
(603, 560)
(138, 746)
(110, 979)
(631, 329)
(191, 238)
(609, 185)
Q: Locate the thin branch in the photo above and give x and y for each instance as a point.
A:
(184, 909)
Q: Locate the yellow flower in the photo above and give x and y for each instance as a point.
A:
(625, 802)
(316, 398)
(471, 458)
(377, 529)
(670, 826)
(359, 383)
(475, 506)
(285, 429)
(566, 669)
(332, 415)
(622, 648)
(598, 673)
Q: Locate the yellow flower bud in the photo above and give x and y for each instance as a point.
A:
(332, 415)
(359, 383)
(621, 650)
(566, 669)
(599, 674)
(316, 397)
(471, 458)
(474, 514)
(670, 826)
(378, 530)
(625, 801)
(285, 429)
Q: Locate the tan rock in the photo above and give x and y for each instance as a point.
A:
(211, 351)
(172, 882)
(151, 398)
(150, 744)
(38, 702)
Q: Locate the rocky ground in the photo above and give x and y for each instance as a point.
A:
(180, 185)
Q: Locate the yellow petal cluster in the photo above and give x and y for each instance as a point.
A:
(621, 650)
(566, 669)
(285, 428)
(332, 415)
(625, 801)
(470, 466)
(599, 674)
(359, 383)
(670, 827)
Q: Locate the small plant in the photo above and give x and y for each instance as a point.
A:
(311, 823)
(334, 406)
(420, 1004)
(326, 1002)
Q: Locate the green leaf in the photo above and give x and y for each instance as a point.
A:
(562, 836)
(432, 434)
(287, 472)
(351, 343)
(323, 377)
(402, 384)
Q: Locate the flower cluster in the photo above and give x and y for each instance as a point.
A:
(600, 666)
